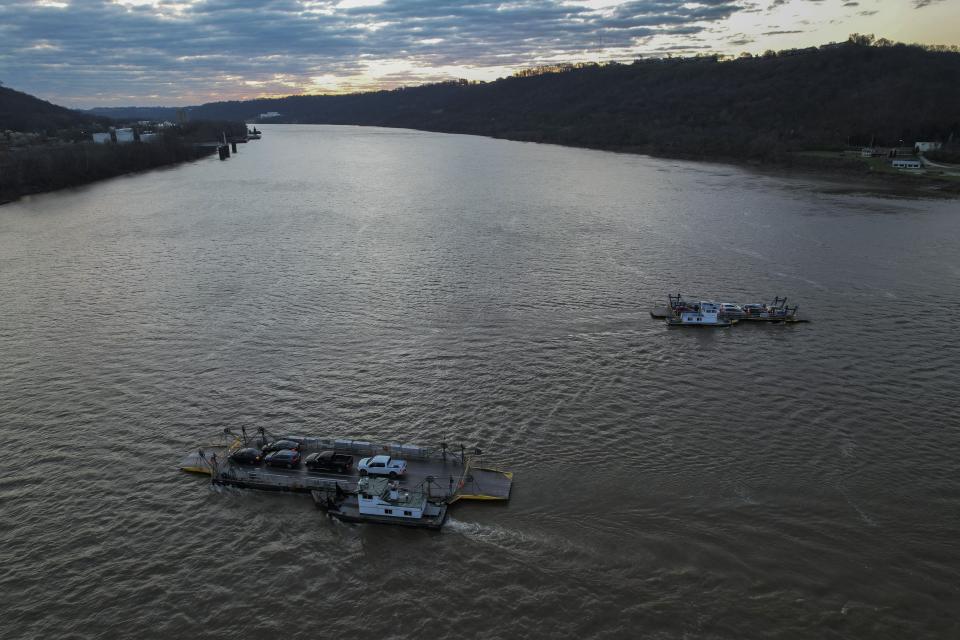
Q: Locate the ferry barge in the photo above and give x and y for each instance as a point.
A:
(423, 481)
(776, 311)
(679, 312)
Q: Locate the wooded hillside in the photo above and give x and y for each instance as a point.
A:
(762, 106)
(23, 112)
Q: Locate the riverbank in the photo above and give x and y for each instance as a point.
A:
(37, 155)
(44, 168)
(853, 173)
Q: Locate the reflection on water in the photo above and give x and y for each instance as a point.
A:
(420, 287)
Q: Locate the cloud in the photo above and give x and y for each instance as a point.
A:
(182, 50)
(778, 3)
(920, 4)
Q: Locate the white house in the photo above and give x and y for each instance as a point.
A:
(149, 137)
(269, 114)
(920, 147)
(101, 138)
(906, 163)
(124, 135)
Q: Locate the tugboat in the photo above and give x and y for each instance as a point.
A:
(383, 501)
(253, 134)
(698, 314)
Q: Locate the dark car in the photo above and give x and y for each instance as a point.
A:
(329, 461)
(246, 456)
(288, 458)
(280, 445)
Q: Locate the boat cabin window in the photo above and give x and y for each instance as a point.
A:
(388, 511)
(408, 513)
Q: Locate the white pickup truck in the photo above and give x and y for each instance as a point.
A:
(382, 466)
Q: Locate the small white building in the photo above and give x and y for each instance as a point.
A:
(102, 138)
(920, 147)
(124, 136)
(269, 114)
(906, 163)
(149, 137)
(867, 152)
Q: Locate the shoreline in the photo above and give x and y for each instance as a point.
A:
(846, 172)
(841, 171)
(849, 175)
(180, 155)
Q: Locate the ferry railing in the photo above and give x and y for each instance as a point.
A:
(364, 448)
(231, 473)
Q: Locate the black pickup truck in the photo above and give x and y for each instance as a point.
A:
(329, 461)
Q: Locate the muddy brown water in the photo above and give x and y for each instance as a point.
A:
(758, 481)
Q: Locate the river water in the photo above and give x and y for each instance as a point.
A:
(757, 481)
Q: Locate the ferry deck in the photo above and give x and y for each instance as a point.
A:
(446, 475)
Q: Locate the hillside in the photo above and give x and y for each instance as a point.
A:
(763, 106)
(137, 113)
(23, 112)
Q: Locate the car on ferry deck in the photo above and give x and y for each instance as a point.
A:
(280, 445)
(289, 458)
(248, 455)
(329, 461)
(382, 466)
(731, 310)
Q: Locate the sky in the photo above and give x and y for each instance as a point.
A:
(86, 53)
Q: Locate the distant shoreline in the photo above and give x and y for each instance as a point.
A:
(831, 170)
(844, 170)
(849, 176)
(826, 166)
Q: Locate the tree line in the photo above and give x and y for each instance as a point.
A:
(42, 168)
(829, 97)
